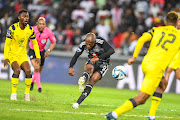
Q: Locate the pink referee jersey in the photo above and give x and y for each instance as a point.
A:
(42, 37)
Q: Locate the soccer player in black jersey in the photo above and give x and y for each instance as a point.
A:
(96, 66)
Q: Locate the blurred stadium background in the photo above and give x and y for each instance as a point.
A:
(120, 22)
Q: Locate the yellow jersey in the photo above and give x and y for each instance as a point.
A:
(165, 43)
(17, 39)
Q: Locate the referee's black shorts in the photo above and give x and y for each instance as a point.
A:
(32, 55)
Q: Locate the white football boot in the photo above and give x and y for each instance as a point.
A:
(26, 97)
(13, 96)
(75, 106)
(81, 83)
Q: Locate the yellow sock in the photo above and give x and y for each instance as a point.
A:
(27, 84)
(127, 106)
(154, 105)
(14, 82)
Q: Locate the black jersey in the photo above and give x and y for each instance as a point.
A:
(101, 49)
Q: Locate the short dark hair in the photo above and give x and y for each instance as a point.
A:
(172, 17)
(21, 11)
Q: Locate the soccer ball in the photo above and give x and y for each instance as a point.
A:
(119, 72)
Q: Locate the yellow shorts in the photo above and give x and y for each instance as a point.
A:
(19, 59)
(153, 75)
(175, 63)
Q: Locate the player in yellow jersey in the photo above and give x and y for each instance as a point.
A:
(165, 43)
(15, 52)
(157, 96)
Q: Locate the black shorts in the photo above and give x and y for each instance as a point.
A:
(100, 66)
(32, 55)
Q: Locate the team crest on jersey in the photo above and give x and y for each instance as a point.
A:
(21, 42)
(43, 41)
(94, 54)
(8, 34)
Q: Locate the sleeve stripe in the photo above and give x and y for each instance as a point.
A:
(32, 34)
(33, 38)
(13, 27)
(8, 37)
(30, 27)
(150, 33)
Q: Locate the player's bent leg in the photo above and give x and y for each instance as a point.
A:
(177, 72)
(85, 77)
(94, 78)
(156, 99)
(168, 72)
(129, 104)
(28, 79)
(157, 96)
(84, 94)
(141, 98)
(15, 80)
(81, 83)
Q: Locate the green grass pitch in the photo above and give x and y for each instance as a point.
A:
(56, 100)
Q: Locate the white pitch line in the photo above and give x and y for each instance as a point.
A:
(104, 105)
(102, 114)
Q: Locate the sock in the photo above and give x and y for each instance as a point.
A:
(37, 77)
(14, 81)
(33, 78)
(156, 99)
(114, 115)
(127, 106)
(151, 117)
(86, 76)
(28, 80)
(85, 93)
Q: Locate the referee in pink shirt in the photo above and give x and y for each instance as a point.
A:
(42, 34)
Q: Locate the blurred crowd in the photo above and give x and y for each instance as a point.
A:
(120, 22)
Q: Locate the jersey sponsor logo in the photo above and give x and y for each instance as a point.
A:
(79, 49)
(43, 41)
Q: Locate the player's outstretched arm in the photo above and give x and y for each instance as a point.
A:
(144, 38)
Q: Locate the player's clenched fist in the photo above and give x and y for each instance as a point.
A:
(71, 72)
(6, 62)
(131, 60)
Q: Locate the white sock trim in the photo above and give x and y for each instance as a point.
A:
(114, 114)
(151, 117)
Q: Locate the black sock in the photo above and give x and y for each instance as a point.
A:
(85, 93)
(86, 76)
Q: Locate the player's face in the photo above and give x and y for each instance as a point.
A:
(90, 44)
(41, 24)
(178, 24)
(24, 18)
